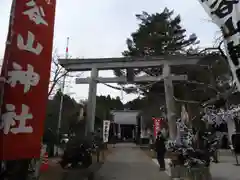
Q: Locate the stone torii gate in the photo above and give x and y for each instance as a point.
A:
(96, 64)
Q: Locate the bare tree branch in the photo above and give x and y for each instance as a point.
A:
(57, 76)
(224, 95)
(57, 73)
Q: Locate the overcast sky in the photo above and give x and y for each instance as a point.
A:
(99, 28)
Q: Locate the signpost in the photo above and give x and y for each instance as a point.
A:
(106, 127)
(26, 69)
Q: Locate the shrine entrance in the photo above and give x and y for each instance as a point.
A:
(127, 125)
(129, 63)
(128, 132)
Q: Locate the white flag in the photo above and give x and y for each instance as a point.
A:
(226, 14)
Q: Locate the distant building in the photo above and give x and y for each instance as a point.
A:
(127, 124)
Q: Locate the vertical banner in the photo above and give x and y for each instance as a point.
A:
(26, 69)
(157, 125)
(226, 14)
(106, 127)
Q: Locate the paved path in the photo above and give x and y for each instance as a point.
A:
(225, 170)
(128, 162)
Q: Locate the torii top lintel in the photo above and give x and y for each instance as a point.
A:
(127, 62)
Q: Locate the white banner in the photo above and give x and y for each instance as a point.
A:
(106, 127)
(226, 14)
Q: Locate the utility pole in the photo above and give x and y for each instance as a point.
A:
(61, 101)
(170, 102)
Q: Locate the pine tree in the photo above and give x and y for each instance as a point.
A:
(158, 34)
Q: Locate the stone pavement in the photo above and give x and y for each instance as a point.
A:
(128, 162)
(225, 169)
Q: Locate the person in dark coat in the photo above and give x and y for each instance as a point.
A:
(160, 150)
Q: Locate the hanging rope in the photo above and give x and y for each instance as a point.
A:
(139, 87)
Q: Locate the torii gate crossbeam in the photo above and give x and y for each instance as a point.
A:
(123, 63)
(123, 79)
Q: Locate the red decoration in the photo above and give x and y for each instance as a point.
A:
(44, 166)
(157, 125)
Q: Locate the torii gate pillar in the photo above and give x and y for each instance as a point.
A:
(91, 105)
(170, 102)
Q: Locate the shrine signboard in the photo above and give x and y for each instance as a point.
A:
(106, 127)
(226, 14)
(26, 70)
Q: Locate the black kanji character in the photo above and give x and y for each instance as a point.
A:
(224, 8)
(203, 1)
(234, 52)
(229, 29)
(213, 4)
(238, 74)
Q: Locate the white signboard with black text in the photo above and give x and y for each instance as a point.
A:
(226, 14)
(106, 127)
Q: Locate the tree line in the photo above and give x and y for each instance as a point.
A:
(70, 115)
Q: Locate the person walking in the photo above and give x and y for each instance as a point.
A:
(160, 150)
